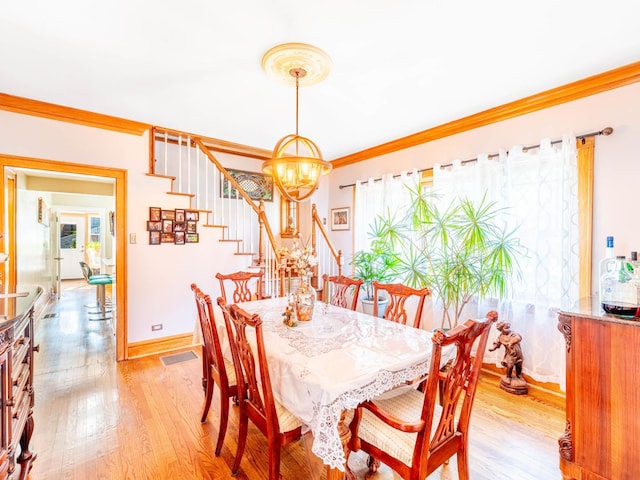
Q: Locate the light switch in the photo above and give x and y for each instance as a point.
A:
(132, 238)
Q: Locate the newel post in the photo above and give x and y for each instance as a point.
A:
(315, 279)
(261, 215)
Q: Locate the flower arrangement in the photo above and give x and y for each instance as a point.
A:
(300, 258)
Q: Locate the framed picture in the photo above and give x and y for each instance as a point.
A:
(155, 214)
(179, 226)
(179, 215)
(192, 215)
(179, 238)
(112, 223)
(192, 226)
(154, 237)
(168, 215)
(257, 185)
(168, 237)
(192, 237)
(340, 218)
(43, 212)
(167, 226)
(154, 226)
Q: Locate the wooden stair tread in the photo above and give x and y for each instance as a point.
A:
(191, 195)
(170, 177)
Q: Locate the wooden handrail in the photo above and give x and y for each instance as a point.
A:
(232, 181)
(264, 222)
(316, 221)
(262, 217)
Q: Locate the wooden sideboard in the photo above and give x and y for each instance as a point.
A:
(16, 384)
(602, 435)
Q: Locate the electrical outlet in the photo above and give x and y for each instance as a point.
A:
(155, 328)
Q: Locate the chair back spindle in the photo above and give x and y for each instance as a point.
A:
(247, 286)
(344, 290)
(398, 294)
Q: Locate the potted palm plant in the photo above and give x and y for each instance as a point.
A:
(460, 252)
(377, 263)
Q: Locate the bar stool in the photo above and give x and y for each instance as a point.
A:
(100, 282)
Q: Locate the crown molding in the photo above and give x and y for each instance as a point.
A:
(599, 83)
(595, 84)
(61, 113)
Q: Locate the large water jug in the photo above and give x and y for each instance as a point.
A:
(619, 289)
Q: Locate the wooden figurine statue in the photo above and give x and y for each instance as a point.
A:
(512, 359)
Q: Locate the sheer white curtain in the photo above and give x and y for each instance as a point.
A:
(376, 197)
(539, 187)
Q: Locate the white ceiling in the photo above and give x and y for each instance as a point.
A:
(399, 66)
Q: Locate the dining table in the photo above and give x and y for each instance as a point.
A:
(324, 367)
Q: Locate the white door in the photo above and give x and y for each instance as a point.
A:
(71, 233)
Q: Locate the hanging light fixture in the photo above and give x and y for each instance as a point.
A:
(296, 163)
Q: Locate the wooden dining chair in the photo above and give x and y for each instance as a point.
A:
(397, 295)
(412, 433)
(340, 287)
(242, 283)
(257, 403)
(216, 370)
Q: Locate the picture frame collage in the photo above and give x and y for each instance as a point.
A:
(178, 226)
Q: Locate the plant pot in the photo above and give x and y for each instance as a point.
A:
(367, 306)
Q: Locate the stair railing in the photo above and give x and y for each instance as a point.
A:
(330, 260)
(196, 172)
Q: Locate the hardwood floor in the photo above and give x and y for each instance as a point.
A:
(97, 419)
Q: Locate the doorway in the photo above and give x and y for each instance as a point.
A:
(72, 245)
(13, 163)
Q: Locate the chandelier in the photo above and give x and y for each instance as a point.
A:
(296, 163)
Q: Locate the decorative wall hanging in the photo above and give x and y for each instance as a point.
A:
(258, 186)
(177, 226)
(340, 218)
(112, 223)
(43, 212)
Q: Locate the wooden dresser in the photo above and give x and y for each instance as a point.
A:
(16, 384)
(602, 435)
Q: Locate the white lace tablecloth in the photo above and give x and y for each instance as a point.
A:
(332, 363)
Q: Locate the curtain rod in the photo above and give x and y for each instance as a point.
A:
(605, 131)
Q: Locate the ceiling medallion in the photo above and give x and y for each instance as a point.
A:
(281, 59)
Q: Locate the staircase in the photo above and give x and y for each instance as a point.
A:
(234, 203)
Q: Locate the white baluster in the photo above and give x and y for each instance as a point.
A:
(189, 187)
(166, 152)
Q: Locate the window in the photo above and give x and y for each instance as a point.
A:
(95, 229)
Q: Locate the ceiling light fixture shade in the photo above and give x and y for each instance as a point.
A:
(296, 163)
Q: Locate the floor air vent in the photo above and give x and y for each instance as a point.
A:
(178, 358)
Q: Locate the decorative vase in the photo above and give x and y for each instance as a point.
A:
(304, 299)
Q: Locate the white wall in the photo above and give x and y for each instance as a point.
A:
(616, 160)
(33, 247)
